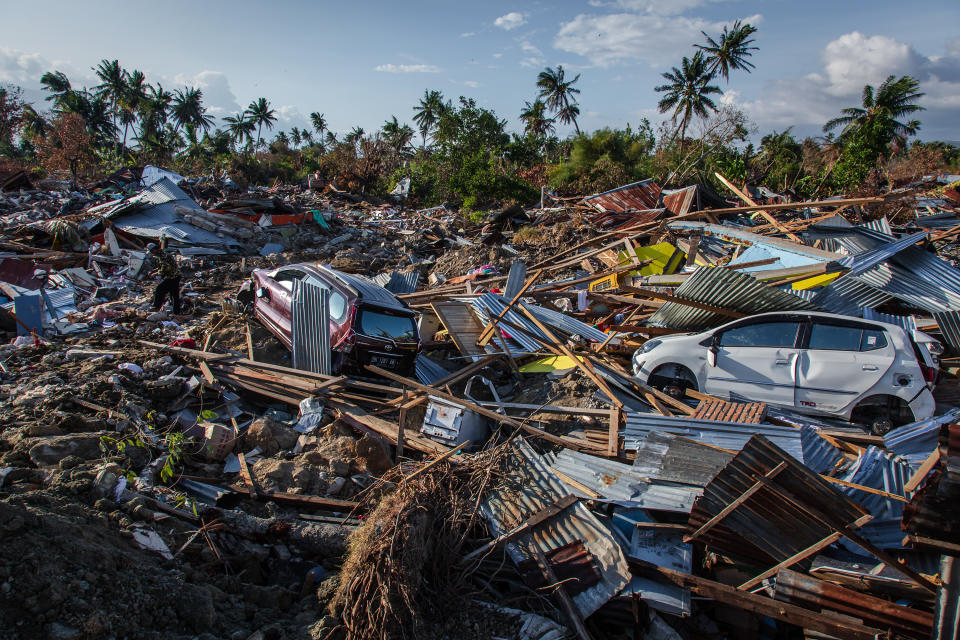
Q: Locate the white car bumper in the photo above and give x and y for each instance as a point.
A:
(923, 406)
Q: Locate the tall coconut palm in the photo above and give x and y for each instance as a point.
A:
(427, 113)
(319, 122)
(154, 112)
(397, 135)
(330, 139)
(240, 127)
(731, 51)
(32, 124)
(260, 112)
(535, 119)
(296, 137)
(113, 83)
(134, 95)
(354, 136)
(58, 84)
(882, 111)
(688, 92)
(559, 95)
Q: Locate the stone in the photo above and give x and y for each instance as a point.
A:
(51, 451)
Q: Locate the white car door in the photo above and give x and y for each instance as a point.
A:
(757, 361)
(840, 362)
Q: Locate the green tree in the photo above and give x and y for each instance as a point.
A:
(730, 52)
(240, 127)
(113, 83)
(295, 137)
(134, 96)
(688, 92)
(882, 113)
(427, 113)
(57, 83)
(319, 122)
(260, 112)
(535, 119)
(559, 94)
(187, 108)
(397, 135)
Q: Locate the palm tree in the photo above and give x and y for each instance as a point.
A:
(154, 110)
(427, 113)
(688, 92)
(319, 123)
(134, 96)
(32, 124)
(307, 137)
(731, 52)
(261, 114)
(535, 119)
(558, 93)
(187, 107)
(296, 137)
(240, 127)
(113, 83)
(282, 139)
(57, 83)
(882, 111)
(398, 135)
(354, 136)
(331, 139)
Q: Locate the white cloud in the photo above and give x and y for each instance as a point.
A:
(850, 62)
(407, 68)
(628, 37)
(527, 47)
(473, 84)
(467, 34)
(21, 68)
(498, 55)
(532, 61)
(511, 20)
(218, 97)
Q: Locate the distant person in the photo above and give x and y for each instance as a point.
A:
(169, 272)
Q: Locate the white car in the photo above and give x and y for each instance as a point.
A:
(868, 372)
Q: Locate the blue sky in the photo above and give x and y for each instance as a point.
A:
(362, 62)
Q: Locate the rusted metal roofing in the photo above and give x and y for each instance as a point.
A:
(529, 487)
(680, 201)
(766, 528)
(663, 456)
(803, 590)
(721, 410)
(631, 197)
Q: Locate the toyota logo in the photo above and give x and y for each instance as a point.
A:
(389, 347)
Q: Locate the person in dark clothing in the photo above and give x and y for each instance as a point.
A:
(169, 272)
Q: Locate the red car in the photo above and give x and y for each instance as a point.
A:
(368, 324)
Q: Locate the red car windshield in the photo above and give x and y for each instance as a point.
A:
(384, 325)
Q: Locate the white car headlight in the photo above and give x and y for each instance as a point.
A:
(649, 346)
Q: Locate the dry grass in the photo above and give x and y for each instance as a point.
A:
(400, 578)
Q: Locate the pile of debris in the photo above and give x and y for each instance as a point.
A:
(644, 413)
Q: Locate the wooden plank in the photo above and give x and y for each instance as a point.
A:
(299, 500)
(932, 544)
(758, 604)
(249, 343)
(499, 417)
(247, 476)
(807, 204)
(769, 218)
(462, 325)
(860, 487)
(488, 330)
(792, 560)
(922, 471)
(743, 497)
(569, 607)
(207, 374)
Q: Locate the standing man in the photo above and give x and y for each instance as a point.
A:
(169, 279)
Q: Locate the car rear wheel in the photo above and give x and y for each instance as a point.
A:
(673, 379)
(880, 414)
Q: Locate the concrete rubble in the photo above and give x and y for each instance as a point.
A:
(173, 475)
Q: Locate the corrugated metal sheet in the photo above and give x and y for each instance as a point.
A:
(726, 435)
(491, 304)
(310, 327)
(766, 528)
(664, 456)
(396, 282)
(515, 279)
(631, 197)
(863, 261)
(371, 292)
(680, 201)
(819, 595)
(566, 324)
(909, 323)
(528, 487)
(818, 454)
(620, 483)
(917, 440)
(847, 296)
(727, 289)
(888, 472)
(735, 233)
(949, 323)
(429, 371)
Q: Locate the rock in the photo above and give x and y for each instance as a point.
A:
(70, 462)
(51, 451)
(374, 453)
(195, 607)
(270, 436)
(340, 467)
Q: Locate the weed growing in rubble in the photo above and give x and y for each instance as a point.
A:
(111, 446)
(174, 441)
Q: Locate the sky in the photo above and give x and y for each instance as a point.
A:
(362, 62)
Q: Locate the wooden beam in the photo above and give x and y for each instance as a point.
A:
(769, 218)
(786, 206)
(922, 471)
(743, 497)
(569, 607)
(932, 544)
(488, 330)
(758, 604)
(792, 560)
